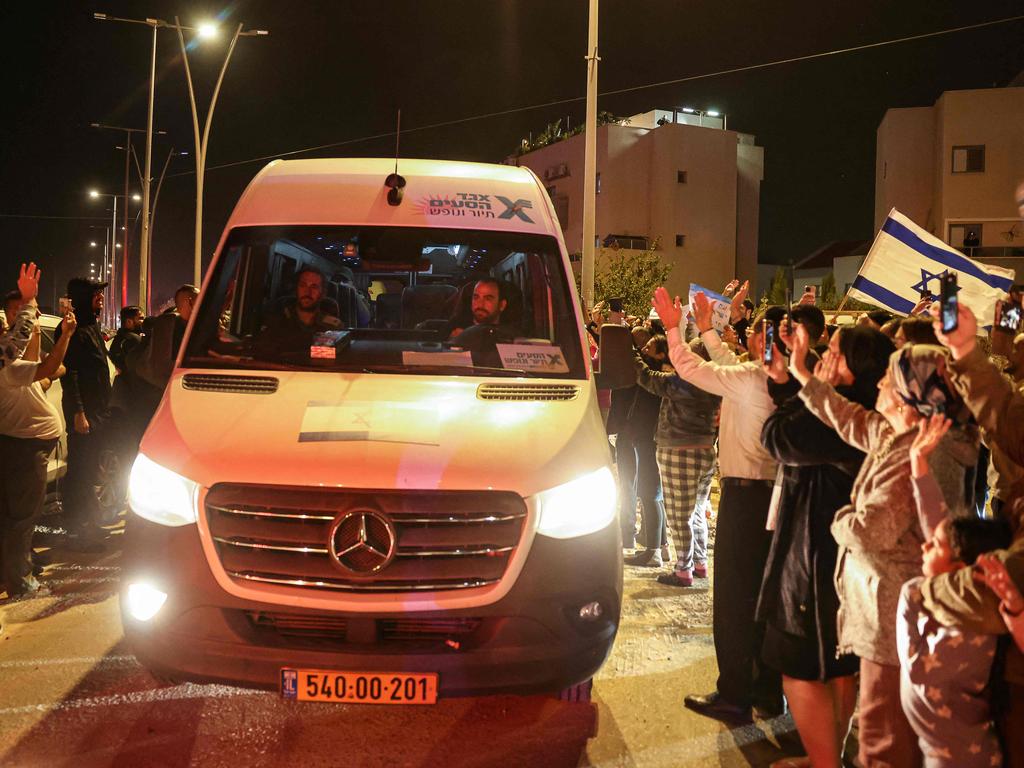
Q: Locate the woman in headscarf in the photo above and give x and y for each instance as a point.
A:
(798, 601)
(878, 532)
(923, 374)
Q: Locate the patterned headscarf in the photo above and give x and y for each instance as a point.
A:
(920, 376)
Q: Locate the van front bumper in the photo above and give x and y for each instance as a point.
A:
(533, 640)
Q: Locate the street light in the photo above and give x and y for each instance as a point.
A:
(111, 237)
(205, 31)
(156, 24)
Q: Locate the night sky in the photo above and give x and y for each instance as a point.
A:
(335, 71)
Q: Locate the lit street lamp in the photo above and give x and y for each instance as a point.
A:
(128, 152)
(205, 31)
(111, 237)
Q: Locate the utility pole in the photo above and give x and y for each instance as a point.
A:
(590, 164)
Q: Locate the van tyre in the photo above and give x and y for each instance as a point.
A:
(579, 693)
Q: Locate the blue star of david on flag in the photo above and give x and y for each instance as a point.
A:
(927, 277)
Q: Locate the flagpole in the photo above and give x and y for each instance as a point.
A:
(835, 315)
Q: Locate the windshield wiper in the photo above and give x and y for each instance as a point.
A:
(441, 368)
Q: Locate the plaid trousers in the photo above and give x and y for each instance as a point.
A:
(686, 481)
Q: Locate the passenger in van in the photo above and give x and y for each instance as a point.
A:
(292, 329)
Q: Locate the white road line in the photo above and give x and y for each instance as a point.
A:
(178, 693)
(82, 580)
(90, 660)
(73, 567)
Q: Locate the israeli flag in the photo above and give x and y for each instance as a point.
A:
(905, 261)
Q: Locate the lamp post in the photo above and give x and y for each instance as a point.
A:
(127, 157)
(205, 31)
(95, 194)
(590, 164)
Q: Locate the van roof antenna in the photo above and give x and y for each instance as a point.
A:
(394, 182)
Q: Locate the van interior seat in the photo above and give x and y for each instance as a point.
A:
(389, 311)
(425, 302)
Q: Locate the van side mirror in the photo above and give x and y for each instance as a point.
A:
(615, 362)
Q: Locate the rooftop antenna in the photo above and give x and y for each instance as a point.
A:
(394, 182)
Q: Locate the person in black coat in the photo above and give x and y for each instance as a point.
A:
(86, 401)
(633, 418)
(798, 600)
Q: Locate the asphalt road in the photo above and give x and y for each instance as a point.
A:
(72, 694)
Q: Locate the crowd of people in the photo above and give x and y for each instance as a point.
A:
(104, 417)
(869, 551)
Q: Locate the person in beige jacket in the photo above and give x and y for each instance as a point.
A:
(878, 533)
(960, 598)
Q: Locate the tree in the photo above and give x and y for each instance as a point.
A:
(554, 132)
(828, 296)
(633, 275)
(776, 293)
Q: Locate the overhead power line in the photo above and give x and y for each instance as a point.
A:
(616, 92)
(40, 216)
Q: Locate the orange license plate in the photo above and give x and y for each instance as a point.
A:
(359, 687)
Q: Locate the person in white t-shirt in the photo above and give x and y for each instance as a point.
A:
(29, 429)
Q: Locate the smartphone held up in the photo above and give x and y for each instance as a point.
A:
(769, 342)
(948, 305)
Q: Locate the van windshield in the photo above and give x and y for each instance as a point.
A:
(389, 300)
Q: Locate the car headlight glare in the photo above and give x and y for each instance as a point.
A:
(581, 506)
(160, 495)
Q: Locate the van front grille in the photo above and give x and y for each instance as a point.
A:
(527, 392)
(416, 541)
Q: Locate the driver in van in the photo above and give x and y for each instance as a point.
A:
(488, 304)
(292, 328)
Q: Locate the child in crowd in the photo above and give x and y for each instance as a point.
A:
(944, 671)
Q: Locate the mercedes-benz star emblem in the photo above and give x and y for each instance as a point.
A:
(362, 542)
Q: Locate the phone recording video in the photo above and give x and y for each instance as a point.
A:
(1010, 311)
(948, 302)
(769, 342)
(65, 305)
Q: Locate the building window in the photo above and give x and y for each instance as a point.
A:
(680, 241)
(966, 237)
(969, 159)
(681, 177)
(597, 183)
(632, 242)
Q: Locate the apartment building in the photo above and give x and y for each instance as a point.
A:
(676, 177)
(953, 168)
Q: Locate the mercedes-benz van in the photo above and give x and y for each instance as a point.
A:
(379, 472)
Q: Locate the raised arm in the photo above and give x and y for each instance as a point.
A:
(854, 423)
(992, 400)
(928, 498)
(796, 437)
(49, 368)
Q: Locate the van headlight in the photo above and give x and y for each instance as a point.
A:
(161, 496)
(581, 506)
